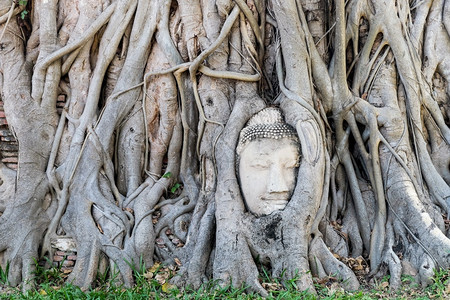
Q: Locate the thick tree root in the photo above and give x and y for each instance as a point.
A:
(157, 93)
(332, 266)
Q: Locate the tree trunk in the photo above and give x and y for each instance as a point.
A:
(141, 164)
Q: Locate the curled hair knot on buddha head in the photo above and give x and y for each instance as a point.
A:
(268, 123)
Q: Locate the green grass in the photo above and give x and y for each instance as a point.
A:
(152, 284)
(4, 275)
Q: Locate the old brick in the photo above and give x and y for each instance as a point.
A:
(10, 159)
(72, 257)
(62, 98)
(5, 132)
(7, 139)
(65, 244)
(68, 263)
(8, 154)
(58, 258)
(3, 121)
(12, 166)
(2, 114)
(9, 147)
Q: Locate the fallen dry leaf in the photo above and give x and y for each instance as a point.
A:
(100, 228)
(384, 285)
(155, 267)
(334, 288)
(148, 275)
(166, 287)
(162, 277)
(128, 210)
(177, 261)
(271, 286)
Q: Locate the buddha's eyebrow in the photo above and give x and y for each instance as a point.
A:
(264, 153)
(257, 159)
(260, 160)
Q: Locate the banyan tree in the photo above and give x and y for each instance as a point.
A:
(144, 162)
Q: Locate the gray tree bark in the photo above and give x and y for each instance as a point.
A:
(140, 165)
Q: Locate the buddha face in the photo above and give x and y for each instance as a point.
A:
(267, 173)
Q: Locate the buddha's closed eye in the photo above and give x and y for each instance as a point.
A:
(260, 165)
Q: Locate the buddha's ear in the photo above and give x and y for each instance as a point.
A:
(309, 140)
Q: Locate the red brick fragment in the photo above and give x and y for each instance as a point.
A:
(58, 258)
(9, 160)
(8, 139)
(68, 263)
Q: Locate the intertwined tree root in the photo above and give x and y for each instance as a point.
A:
(157, 93)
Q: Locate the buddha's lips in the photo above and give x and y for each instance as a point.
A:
(276, 200)
(276, 197)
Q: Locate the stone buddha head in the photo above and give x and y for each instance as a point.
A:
(268, 155)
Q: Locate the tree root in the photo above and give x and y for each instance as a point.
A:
(128, 53)
(193, 272)
(319, 251)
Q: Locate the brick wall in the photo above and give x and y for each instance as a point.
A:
(65, 255)
(64, 258)
(8, 144)
(60, 103)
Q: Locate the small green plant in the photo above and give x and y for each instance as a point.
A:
(441, 283)
(153, 283)
(4, 274)
(138, 271)
(24, 12)
(48, 276)
(175, 187)
(167, 175)
(108, 278)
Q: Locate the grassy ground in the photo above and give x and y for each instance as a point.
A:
(153, 284)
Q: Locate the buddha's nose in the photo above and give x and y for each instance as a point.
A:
(277, 182)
